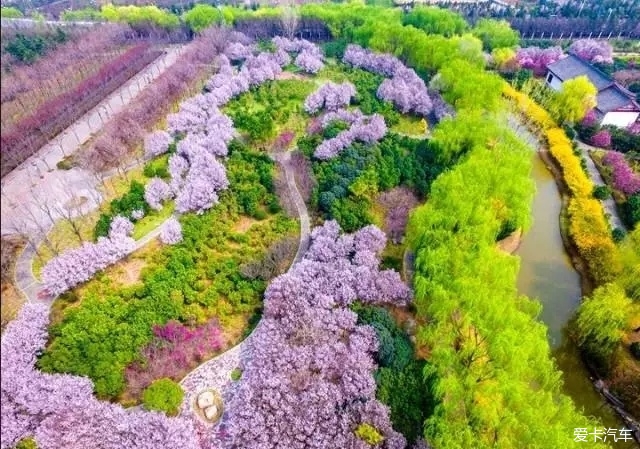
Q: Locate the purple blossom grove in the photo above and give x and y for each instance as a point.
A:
(171, 232)
(197, 177)
(60, 411)
(537, 59)
(407, 91)
(308, 381)
(78, 265)
(367, 129)
(331, 96)
(624, 179)
(592, 50)
(385, 65)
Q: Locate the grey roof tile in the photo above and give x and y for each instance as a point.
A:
(572, 66)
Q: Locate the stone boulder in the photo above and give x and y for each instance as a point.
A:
(211, 412)
(205, 399)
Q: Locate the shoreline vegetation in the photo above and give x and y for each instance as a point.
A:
(578, 260)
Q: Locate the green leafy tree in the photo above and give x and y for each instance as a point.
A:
(163, 395)
(201, 17)
(434, 20)
(574, 100)
(496, 34)
(601, 321)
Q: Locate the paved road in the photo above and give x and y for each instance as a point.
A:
(216, 373)
(37, 184)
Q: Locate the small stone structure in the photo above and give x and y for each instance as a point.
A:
(208, 405)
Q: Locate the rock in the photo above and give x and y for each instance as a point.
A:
(205, 399)
(211, 412)
(410, 326)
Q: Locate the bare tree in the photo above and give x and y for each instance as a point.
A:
(289, 20)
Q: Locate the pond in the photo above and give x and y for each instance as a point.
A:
(546, 273)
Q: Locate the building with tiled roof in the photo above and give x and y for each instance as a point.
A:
(615, 104)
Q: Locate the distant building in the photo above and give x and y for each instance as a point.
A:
(615, 104)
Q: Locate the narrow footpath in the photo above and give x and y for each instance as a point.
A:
(216, 373)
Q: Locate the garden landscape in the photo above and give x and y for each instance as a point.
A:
(317, 225)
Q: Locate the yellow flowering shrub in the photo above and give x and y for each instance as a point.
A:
(588, 227)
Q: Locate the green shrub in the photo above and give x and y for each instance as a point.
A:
(631, 211)
(618, 235)
(601, 192)
(236, 374)
(163, 395)
(335, 48)
(125, 205)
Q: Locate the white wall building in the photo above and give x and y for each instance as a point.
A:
(615, 105)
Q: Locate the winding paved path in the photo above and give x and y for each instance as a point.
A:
(611, 211)
(216, 372)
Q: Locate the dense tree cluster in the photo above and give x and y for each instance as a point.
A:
(624, 178)
(75, 266)
(309, 352)
(330, 96)
(366, 129)
(127, 129)
(60, 411)
(197, 175)
(52, 117)
(537, 59)
(156, 191)
(591, 50)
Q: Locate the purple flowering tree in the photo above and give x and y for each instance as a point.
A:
(309, 62)
(236, 51)
(120, 227)
(155, 192)
(367, 129)
(385, 65)
(407, 91)
(156, 143)
(308, 381)
(171, 232)
(331, 96)
(60, 411)
(624, 178)
(591, 50)
(537, 59)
